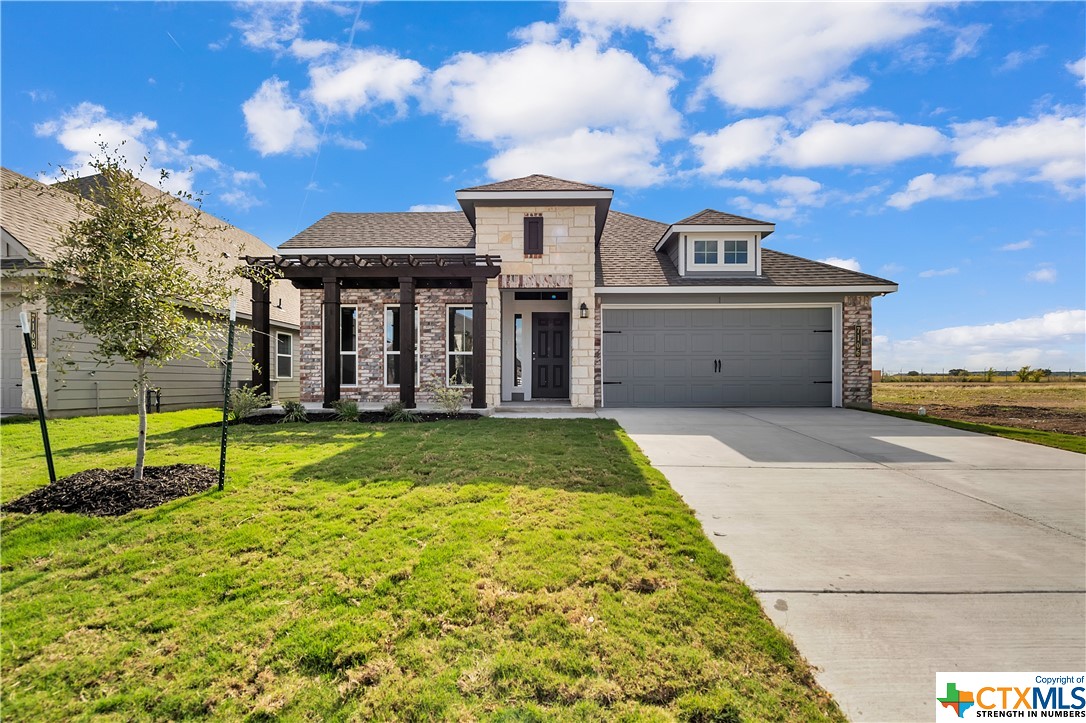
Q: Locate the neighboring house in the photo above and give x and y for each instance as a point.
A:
(538, 291)
(32, 215)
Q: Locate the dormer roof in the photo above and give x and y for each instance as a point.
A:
(536, 182)
(713, 220)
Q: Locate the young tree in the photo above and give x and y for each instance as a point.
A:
(129, 273)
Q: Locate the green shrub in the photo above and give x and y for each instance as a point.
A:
(346, 410)
(448, 399)
(397, 412)
(294, 412)
(246, 400)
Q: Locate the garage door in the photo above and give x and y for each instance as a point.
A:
(717, 357)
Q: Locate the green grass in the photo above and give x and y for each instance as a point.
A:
(506, 570)
(1069, 442)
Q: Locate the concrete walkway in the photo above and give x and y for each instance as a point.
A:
(888, 549)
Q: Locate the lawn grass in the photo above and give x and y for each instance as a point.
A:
(509, 570)
(1050, 395)
(1069, 442)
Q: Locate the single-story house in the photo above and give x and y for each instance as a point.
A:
(32, 215)
(538, 291)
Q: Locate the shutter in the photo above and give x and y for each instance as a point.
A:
(533, 235)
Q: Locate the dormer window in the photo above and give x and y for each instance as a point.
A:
(715, 253)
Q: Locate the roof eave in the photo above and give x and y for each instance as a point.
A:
(676, 228)
(880, 289)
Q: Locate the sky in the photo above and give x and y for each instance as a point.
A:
(941, 146)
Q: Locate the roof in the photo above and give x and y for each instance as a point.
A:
(710, 217)
(626, 258)
(438, 229)
(536, 182)
(35, 214)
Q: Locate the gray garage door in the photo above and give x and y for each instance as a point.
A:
(717, 357)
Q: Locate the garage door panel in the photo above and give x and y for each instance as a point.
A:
(717, 357)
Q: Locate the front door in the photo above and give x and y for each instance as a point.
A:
(550, 355)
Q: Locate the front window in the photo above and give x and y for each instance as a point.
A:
(392, 346)
(283, 356)
(735, 251)
(348, 346)
(460, 346)
(705, 253)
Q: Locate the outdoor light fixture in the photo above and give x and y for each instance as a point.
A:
(584, 310)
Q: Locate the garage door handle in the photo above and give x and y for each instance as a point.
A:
(822, 331)
(830, 382)
(612, 382)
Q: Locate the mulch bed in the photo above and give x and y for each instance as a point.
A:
(375, 417)
(1064, 421)
(111, 492)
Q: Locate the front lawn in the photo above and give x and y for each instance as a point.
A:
(493, 569)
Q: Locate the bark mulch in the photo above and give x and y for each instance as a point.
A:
(111, 492)
(375, 417)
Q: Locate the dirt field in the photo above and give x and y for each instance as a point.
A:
(1051, 407)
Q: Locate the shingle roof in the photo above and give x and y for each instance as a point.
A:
(537, 182)
(710, 217)
(35, 214)
(439, 229)
(626, 258)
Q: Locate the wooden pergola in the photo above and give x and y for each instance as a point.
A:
(406, 270)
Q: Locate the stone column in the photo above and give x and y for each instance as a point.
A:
(856, 352)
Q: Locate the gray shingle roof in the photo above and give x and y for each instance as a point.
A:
(436, 229)
(34, 213)
(626, 258)
(710, 217)
(537, 182)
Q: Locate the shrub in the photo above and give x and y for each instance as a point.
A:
(246, 400)
(346, 410)
(448, 399)
(989, 374)
(294, 412)
(397, 412)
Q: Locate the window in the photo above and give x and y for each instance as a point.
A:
(518, 350)
(348, 346)
(541, 295)
(533, 235)
(705, 253)
(392, 346)
(735, 251)
(283, 356)
(460, 346)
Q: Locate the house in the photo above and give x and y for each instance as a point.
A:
(73, 383)
(537, 290)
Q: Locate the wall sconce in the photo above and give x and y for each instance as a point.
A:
(584, 310)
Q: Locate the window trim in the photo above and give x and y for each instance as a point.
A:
(385, 353)
(533, 240)
(449, 353)
(289, 356)
(342, 352)
(691, 265)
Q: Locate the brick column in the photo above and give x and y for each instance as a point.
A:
(856, 352)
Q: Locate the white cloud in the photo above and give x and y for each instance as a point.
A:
(1078, 68)
(891, 268)
(1017, 245)
(351, 144)
(359, 79)
(1053, 340)
(82, 129)
(276, 123)
(310, 49)
(537, 32)
(951, 187)
(851, 263)
(542, 91)
(1017, 58)
(739, 145)
(829, 143)
(1052, 148)
(965, 43)
(608, 157)
(823, 40)
(240, 199)
(1044, 274)
(269, 25)
(792, 194)
(431, 207)
(931, 273)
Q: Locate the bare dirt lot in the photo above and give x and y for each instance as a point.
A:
(1050, 407)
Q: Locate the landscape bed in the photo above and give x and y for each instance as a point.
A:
(498, 570)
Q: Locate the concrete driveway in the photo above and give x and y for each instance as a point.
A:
(888, 549)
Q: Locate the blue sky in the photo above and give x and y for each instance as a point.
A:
(941, 146)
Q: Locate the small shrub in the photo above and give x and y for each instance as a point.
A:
(989, 374)
(346, 410)
(246, 400)
(448, 399)
(397, 412)
(294, 412)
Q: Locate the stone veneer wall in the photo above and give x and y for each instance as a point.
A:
(370, 304)
(568, 261)
(856, 360)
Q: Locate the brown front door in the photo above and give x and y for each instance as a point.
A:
(550, 355)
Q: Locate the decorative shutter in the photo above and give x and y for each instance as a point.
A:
(533, 235)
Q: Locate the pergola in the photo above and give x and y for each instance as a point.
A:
(332, 271)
